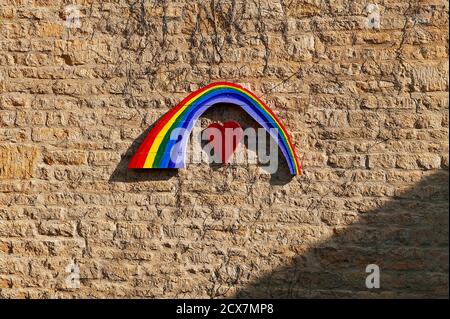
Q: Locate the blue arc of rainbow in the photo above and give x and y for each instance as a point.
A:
(158, 148)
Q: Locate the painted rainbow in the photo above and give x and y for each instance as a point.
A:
(159, 150)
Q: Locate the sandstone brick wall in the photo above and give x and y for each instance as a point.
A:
(366, 105)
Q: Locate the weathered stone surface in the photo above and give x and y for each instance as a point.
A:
(65, 157)
(52, 228)
(365, 103)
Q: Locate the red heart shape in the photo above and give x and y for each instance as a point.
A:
(230, 135)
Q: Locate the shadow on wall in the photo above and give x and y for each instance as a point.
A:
(406, 237)
(217, 113)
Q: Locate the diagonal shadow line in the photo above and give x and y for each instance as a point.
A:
(406, 237)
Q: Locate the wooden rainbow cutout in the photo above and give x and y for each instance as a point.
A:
(157, 148)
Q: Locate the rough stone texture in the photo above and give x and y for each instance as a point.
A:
(367, 109)
(17, 161)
